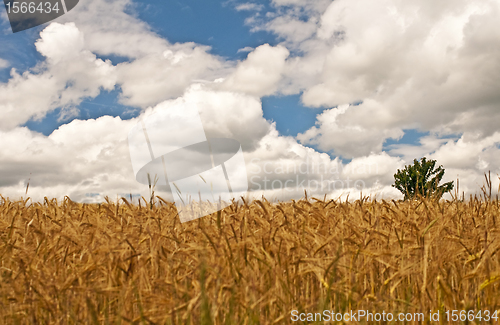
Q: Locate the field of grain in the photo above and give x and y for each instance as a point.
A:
(252, 263)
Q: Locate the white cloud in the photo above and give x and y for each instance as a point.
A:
(158, 70)
(248, 6)
(80, 157)
(411, 64)
(111, 27)
(69, 74)
(291, 28)
(282, 169)
(229, 115)
(156, 77)
(294, 20)
(434, 67)
(60, 42)
(375, 168)
(71, 70)
(246, 49)
(347, 139)
(260, 73)
(478, 153)
(89, 159)
(419, 64)
(427, 145)
(309, 6)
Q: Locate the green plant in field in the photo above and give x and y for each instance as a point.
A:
(421, 178)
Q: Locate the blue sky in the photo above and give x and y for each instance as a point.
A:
(213, 23)
(365, 83)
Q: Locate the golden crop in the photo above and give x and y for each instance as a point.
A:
(117, 263)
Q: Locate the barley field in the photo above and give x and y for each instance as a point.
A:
(251, 263)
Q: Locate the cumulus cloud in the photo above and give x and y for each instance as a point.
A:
(89, 159)
(260, 73)
(80, 158)
(69, 74)
(157, 70)
(378, 67)
(277, 166)
(283, 169)
(156, 77)
(348, 140)
(112, 28)
(426, 145)
(291, 28)
(411, 65)
(406, 66)
(72, 71)
(60, 42)
(471, 152)
(293, 22)
(229, 115)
